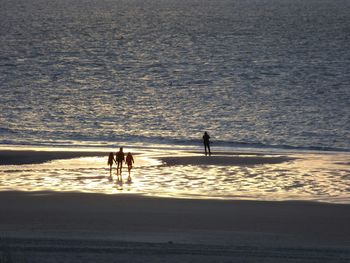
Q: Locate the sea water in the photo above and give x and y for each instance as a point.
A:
(260, 73)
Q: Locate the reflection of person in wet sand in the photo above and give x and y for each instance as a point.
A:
(206, 142)
(120, 158)
(110, 162)
(129, 161)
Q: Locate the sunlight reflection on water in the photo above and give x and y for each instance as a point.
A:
(318, 177)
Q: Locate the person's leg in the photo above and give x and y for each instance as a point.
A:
(205, 148)
(209, 149)
(121, 166)
(118, 170)
(129, 170)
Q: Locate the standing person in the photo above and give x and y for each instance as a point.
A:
(120, 158)
(206, 142)
(110, 162)
(129, 161)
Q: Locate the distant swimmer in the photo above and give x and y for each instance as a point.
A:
(110, 162)
(206, 142)
(129, 161)
(120, 158)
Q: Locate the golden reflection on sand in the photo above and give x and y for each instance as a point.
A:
(320, 177)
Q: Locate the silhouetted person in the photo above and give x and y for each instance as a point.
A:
(120, 158)
(129, 161)
(110, 162)
(206, 142)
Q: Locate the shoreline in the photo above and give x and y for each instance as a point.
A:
(24, 157)
(182, 157)
(184, 174)
(21, 155)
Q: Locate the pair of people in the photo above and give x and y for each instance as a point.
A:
(119, 159)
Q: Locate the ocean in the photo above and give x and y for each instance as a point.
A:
(253, 73)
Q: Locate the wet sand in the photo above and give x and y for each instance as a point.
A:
(96, 228)
(9, 157)
(80, 227)
(222, 160)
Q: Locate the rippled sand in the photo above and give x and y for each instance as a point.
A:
(166, 173)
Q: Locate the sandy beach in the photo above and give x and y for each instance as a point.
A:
(55, 226)
(48, 226)
(11, 157)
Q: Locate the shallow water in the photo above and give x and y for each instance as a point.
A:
(308, 176)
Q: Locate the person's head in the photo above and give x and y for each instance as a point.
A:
(121, 149)
(205, 132)
(110, 154)
(129, 153)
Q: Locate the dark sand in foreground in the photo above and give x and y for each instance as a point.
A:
(76, 227)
